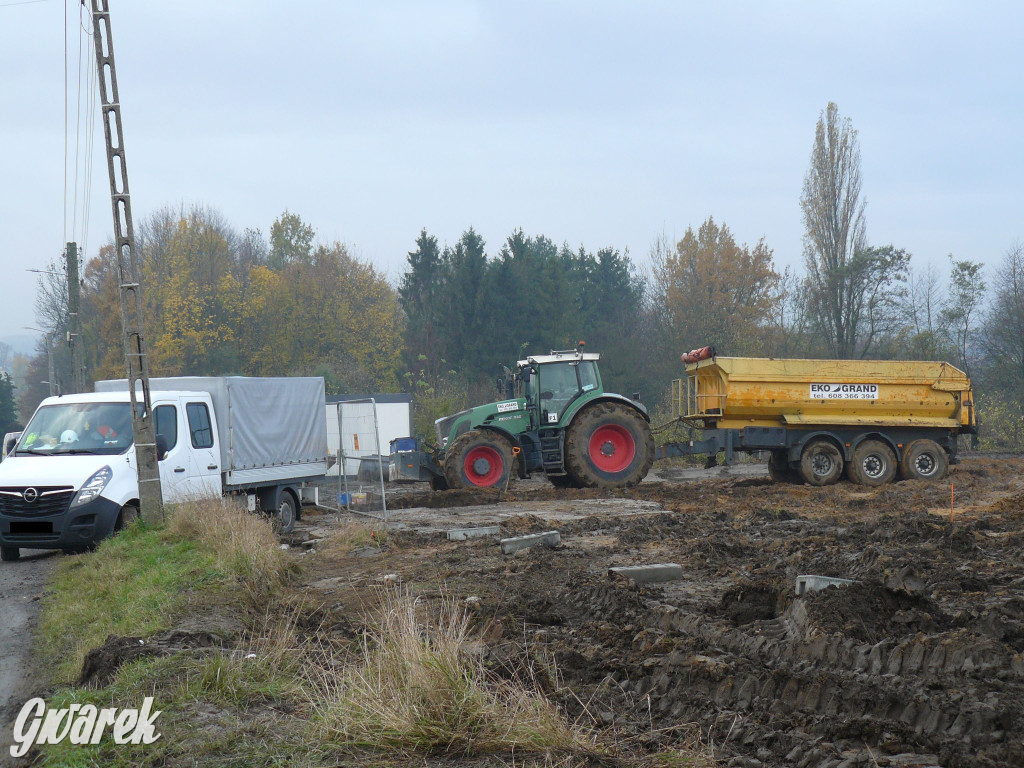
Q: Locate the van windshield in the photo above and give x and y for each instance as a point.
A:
(96, 428)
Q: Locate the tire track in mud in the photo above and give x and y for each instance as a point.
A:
(784, 685)
(921, 662)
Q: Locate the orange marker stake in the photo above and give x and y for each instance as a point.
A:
(952, 517)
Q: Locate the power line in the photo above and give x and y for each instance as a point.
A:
(90, 133)
(78, 131)
(65, 120)
(22, 2)
(84, 136)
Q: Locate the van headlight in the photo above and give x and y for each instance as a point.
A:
(93, 487)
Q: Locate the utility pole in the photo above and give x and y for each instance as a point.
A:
(74, 323)
(150, 497)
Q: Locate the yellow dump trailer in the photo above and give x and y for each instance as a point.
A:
(875, 419)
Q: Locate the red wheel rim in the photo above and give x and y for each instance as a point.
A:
(612, 448)
(483, 466)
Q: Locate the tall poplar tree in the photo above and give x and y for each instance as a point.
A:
(852, 290)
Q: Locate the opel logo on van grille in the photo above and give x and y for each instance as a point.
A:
(30, 495)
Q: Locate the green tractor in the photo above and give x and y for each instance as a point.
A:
(556, 419)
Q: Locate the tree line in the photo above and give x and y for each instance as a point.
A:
(223, 302)
(220, 301)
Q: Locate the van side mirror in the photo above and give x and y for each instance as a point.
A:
(161, 448)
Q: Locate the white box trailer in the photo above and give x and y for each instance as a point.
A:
(270, 428)
(351, 427)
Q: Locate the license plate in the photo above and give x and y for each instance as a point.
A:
(31, 527)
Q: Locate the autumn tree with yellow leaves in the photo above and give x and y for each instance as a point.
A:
(217, 303)
(711, 290)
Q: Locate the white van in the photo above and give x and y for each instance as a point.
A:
(71, 479)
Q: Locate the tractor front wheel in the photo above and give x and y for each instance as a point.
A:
(479, 459)
(609, 445)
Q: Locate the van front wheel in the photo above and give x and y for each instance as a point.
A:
(8, 554)
(128, 515)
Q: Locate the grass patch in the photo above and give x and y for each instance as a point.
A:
(353, 534)
(411, 687)
(219, 707)
(216, 710)
(415, 688)
(139, 581)
(243, 544)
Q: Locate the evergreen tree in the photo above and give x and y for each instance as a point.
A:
(465, 305)
(419, 293)
(8, 415)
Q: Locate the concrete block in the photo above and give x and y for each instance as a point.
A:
(650, 574)
(809, 583)
(516, 543)
(461, 534)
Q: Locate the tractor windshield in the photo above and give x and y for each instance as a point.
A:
(561, 383)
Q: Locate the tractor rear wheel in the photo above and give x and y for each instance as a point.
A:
(479, 459)
(923, 460)
(609, 445)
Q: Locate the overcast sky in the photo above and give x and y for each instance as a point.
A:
(594, 123)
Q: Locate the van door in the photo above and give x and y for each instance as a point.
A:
(205, 472)
(174, 469)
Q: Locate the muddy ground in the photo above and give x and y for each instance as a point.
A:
(920, 662)
(22, 584)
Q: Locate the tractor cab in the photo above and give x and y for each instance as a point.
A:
(552, 383)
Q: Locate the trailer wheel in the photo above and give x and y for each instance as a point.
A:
(873, 464)
(923, 460)
(609, 445)
(9, 554)
(821, 463)
(479, 459)
(779, 470)
(284, 515)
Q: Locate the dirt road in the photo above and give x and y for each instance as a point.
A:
(21, 586)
